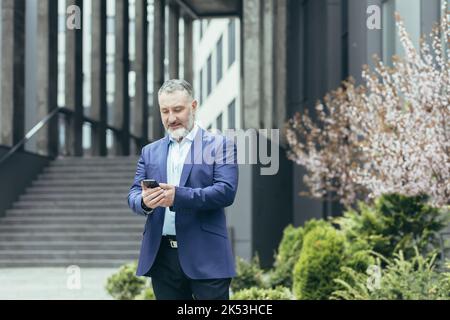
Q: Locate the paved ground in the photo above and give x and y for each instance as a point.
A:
(54, 283)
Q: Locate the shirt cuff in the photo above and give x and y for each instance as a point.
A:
(146, 209)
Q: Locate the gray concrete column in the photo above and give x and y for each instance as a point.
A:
(334, 44)
(74, 87)
(267, 62)
(430, 11)
(188, 51)
(98, 78)
(363, 43)
(280, 66)
(121, 70)
(174, 42)
(47, 75)
(251, 63)
(13, 72)
(158, 65)
(141, 69)
(264, 63)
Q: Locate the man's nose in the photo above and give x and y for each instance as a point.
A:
(172, 118)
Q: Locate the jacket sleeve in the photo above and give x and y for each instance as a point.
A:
(223, 190)
(135, 193)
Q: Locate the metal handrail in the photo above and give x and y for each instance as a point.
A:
(29, 134)
(46, 119)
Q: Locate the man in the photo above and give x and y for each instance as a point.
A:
(185, 246)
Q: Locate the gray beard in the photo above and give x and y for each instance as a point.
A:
(181, 133)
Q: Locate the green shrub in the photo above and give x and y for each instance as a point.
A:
(289, 252)
(249, 274)
(321, 258)
(401, 279)
(358, 260)
(125, 285)
(279, 293)
(394, 223)
(146, 294)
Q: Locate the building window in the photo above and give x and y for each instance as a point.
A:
(208, 76)
(232, 115)
(219, 122)
(231, 42)
(219, 60)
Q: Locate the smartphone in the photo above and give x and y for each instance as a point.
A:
(150, 183)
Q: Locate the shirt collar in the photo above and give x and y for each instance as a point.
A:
(191, 135)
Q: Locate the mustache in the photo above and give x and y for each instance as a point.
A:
(170, 125)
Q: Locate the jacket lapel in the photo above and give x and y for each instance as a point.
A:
(163, 159)
(194, 156)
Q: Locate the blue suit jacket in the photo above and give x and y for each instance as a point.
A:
(208, 183)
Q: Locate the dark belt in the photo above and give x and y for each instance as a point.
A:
(171, 241)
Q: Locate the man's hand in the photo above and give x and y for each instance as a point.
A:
(169, 195)
(151, 196)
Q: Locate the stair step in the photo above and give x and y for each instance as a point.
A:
(104, 196)
(87, 175)
(96, 159)
(73, 255)
(74, 214)
(83, 263)
(84, 162)
(104, 182)
(104, 210)
(83, 169)
(25, 220)
(72, 204)
(70, 236)
(100, 213)
(70, 245)
(72, 227)
(128, 164)
(76, 189)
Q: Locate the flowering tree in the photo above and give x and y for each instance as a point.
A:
(389, 136)
(328, 146)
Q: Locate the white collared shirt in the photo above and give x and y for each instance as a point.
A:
(176, 156)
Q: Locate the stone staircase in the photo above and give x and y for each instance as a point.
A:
(74, 213)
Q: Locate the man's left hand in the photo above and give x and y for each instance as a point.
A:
(169, 195)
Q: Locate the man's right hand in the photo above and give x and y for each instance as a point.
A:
(151, 196)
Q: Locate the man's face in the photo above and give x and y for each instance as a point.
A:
(177, 113)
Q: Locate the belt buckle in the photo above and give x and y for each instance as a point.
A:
(173, 244)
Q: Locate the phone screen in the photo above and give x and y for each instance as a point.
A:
(150, 183)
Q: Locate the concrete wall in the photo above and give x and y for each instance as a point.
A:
(31, 117)
(17, 174)
(239, 217)
(0, 68)
(272, 207)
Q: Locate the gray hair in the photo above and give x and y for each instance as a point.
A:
(169, 86)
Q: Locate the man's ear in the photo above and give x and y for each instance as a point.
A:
(194, 105)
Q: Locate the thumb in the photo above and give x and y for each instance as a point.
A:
(165, 185)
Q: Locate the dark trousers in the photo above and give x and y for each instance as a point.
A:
(171, 283)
